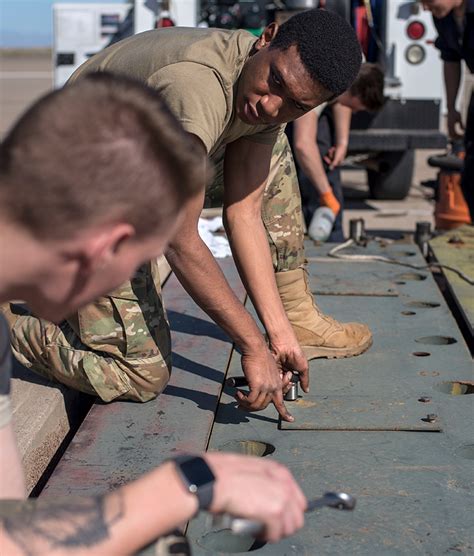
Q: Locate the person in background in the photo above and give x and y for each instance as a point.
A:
(454, 21)
(78, 173)
(320, 140)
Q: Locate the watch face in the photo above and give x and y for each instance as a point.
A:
(197, 472)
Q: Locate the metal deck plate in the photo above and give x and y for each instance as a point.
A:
(360, 413)
(414, 490)
(334, 277)
(456, 248)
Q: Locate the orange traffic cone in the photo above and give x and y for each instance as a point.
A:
(451, 210)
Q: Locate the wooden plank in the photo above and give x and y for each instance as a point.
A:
(120, 441)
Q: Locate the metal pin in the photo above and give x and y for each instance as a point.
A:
(292, 394)
(430, 418)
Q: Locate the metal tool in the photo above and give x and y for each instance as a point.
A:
(237, 381)
(292, 393)
(247, 527)
(290, 396)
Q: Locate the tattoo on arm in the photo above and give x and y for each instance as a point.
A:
(43, 527)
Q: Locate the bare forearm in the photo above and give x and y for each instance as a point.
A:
(342, 123)
(119, 523)
(307, 151)
(253, 260)
(12, 481)
(452, 81)
(202, 278)
(309, 159)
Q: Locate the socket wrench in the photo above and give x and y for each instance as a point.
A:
(244, 527)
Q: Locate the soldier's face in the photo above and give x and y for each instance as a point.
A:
(441, 8)
(275, 88)
(80, 270)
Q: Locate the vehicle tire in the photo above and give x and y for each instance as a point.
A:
(393, 179)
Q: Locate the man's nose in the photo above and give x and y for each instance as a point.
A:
(271, 105)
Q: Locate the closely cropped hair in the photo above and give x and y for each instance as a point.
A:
(327, 46)
(102, 150)
(368, 87)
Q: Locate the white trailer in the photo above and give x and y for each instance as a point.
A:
(83, 29)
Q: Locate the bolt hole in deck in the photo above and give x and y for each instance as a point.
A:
(436, 340)
(455, 388)
(423, 304)
(248, 448)
(408, 313)
(225, 542)
(421, 353)
(412, 276)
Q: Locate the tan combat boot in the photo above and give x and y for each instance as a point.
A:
(318, 334)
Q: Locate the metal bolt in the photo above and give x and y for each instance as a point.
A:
(424, 399)
(292, 394)
(431, 417)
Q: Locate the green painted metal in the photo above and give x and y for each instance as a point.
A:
(456, 248)
(362, 413)
(118, 442)
(334, 277)
(414, 489)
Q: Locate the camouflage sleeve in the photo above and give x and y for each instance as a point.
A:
(267, 136)
(5, 372)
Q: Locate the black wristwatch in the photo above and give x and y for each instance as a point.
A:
(197, 477)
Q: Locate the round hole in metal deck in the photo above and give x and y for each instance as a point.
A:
(436, 340)
(408, 313)
(405, 254)
(248, 448)
(223, 541)
(400, 283)
(421, 353)
(466, 451)
(455, 388)
(412, 276)
(423, 304)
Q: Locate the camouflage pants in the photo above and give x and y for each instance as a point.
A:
(119, 346)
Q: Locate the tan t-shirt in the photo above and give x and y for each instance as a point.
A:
(196, 72)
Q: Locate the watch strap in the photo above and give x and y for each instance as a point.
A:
(204, 491)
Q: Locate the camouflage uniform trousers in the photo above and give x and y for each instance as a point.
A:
(116, 348)
(119, 347)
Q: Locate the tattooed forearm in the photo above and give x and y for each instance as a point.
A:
(41, 527)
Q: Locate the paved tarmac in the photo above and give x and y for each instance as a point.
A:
(26, 76)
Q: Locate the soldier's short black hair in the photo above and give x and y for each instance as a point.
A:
(327, 45)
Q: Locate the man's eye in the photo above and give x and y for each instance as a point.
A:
(275, 79)
(299, 106)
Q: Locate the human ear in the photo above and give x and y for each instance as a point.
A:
(103, 246)
(267, 35)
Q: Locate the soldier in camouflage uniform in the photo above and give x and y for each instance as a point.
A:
(233, 94)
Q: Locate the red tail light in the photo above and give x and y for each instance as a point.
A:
(416, 30)
(165, 22)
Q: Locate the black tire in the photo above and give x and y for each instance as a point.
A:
(393, 179)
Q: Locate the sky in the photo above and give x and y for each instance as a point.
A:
(27, 23)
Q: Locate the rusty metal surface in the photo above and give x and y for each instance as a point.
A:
(414, 489)
(120, 441)
(456, 248)
(362, 413)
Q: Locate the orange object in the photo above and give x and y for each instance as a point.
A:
(329, 200)
(451, 209)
